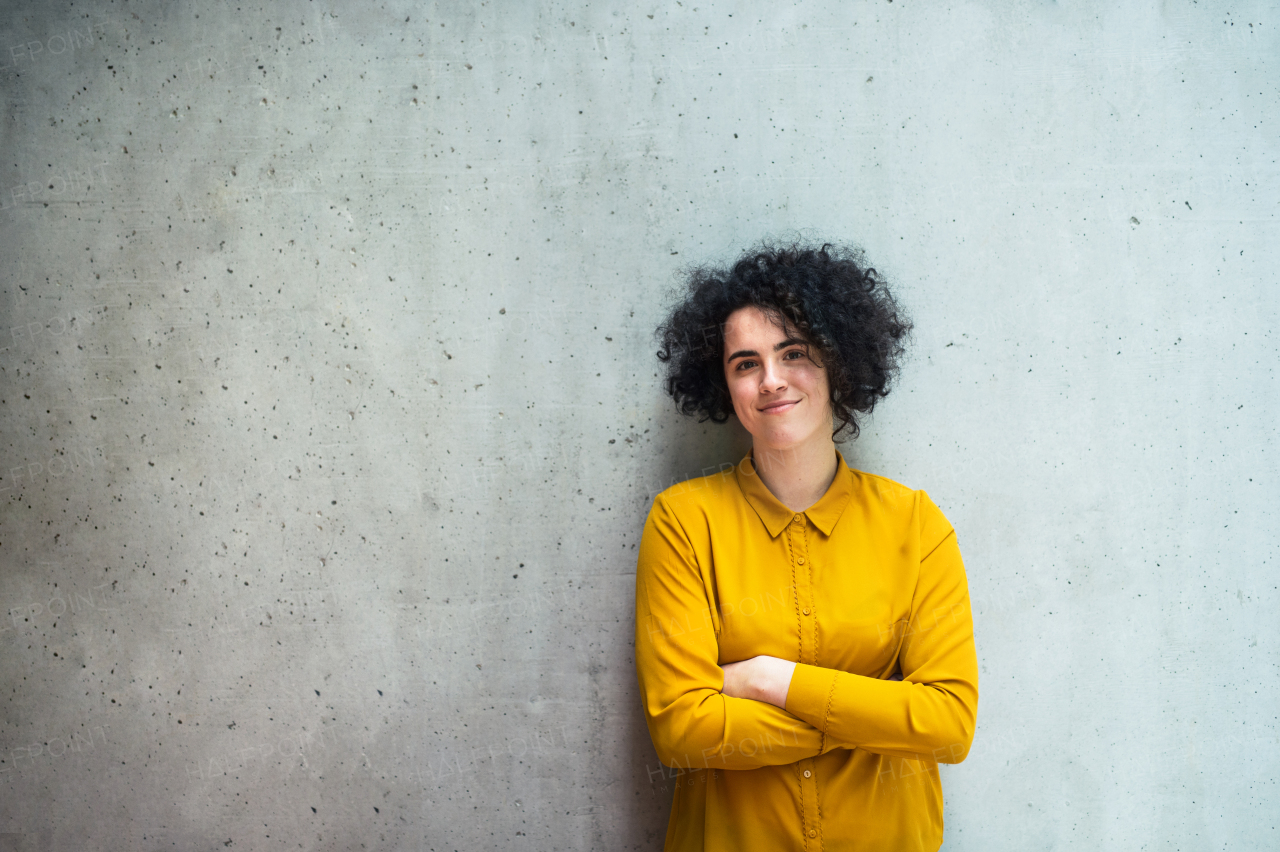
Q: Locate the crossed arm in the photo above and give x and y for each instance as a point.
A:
(767, 711)
(762, 678)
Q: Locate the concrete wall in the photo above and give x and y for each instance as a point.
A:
(330, 413)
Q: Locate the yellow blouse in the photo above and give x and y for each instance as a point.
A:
(865, 585)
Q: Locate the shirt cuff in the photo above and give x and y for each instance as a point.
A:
(809, 696)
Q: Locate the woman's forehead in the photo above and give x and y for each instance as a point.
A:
(754, 321)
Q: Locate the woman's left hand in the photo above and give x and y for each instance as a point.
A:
(761, 678)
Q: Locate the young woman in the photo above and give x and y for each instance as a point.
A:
(804, 643)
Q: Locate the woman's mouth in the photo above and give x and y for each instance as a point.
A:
(780, 407)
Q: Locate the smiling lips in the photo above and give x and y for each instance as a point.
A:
(780, 406)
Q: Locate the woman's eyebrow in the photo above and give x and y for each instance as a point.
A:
(745, 353)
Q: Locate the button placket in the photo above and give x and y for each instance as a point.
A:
(800, 570)
(797, 536)
(808, 801)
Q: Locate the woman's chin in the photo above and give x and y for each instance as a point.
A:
(786, 436)
(777, 440)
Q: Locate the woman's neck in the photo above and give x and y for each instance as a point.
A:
(798, 476)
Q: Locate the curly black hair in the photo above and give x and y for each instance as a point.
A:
(837, 303)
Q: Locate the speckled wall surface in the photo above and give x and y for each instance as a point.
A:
(330, 412)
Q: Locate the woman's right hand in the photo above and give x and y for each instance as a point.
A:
(761, 678)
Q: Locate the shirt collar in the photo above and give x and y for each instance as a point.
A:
(824, 514)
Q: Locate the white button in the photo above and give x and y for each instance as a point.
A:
(807, 773)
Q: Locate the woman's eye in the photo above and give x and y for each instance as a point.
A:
(795, 352)
(743, 365)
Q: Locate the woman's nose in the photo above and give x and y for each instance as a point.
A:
(771, 379)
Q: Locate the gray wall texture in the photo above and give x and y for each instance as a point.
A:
(331, 417)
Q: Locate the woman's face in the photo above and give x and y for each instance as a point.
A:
(780, 396)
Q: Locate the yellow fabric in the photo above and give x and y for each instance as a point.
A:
(866, 584)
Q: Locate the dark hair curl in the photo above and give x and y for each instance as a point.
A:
(839, 305)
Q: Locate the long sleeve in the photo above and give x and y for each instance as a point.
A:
(933, 710)
(692, 723)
